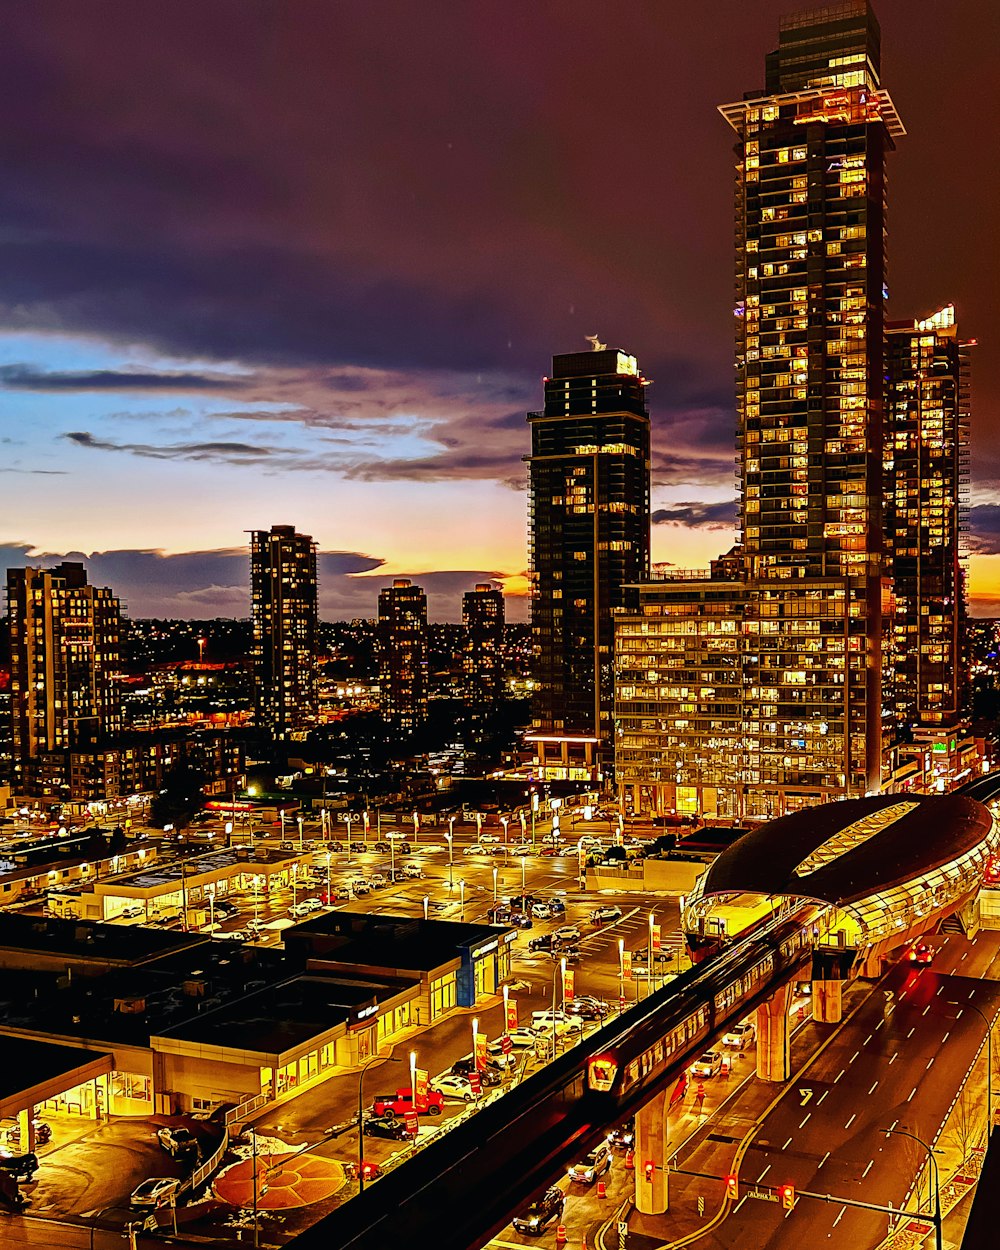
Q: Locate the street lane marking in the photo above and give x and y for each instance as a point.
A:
(893, 1059)
(912, 1092)
(879, 1025)
(926, 1010)
(868, 1169)
(873, 1089)
(787, 1144)
(822, 1096)
(946, 1036)
(868, 1039)
(823, 1160)
(911, 1032)
(851, 1120)
(763, 1174)
(929, 1062)
(839, 1217)
(839, 1075)
(893, 1124)
(855, 1055)
(741, 1202)
(806, 1120)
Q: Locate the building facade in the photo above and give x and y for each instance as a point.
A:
(402, 655)
(927, 448)
(810, 621)
(65, 661)
(589, 498)
(284, 610)
(483, 655)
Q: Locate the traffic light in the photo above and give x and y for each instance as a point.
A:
(787, 1193)
(650, 1169)
(732, 1188)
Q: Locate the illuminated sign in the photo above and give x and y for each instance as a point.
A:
(490, 946)
(627, 364)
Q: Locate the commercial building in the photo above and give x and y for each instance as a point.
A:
(64, 642)
(927, 449)
(482, 655)
(589, 520)
(809, 663)
(284, 598)
(402, 655)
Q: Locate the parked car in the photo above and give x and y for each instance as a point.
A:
(708, 1065)
(499, 914)
(132, 911)
(521, 902)
(488, 838)
(540, 1214)
(475, 849)
(306, 907)
(521, 848)
(43, 1133)
(382, 847)
(492, 1074)
(741, 1035)
(359, 887)
(234, 935)
(589, 1007)
(288, 846)
(541, 943)
(523, 1037)
(412, 870)
(385, 1126)
(601, 915)
(563, 1020)
(396, 874)
(500, 1060)
(520, 921)
(154, 1192)
(378, 879)
(22, 1167)
(450, 1085)
(358, 848)
(556, 907)
(572, 954)
(592, 1165)
(177, 1141)
(401, 1101)
(568, 933)
(540, 911)
(333, 845)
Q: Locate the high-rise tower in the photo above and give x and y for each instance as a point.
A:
(284, 608)
(402, 655)
(926, 497)
(482, 655)
(589, 483)
(64, 637)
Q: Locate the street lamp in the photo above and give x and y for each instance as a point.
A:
(450, 835)
(295, 883)
(523, 862)
(621, 974)
(649, 959)
(505, 821)
(461, 886)
(361, 1114)
(328, 892)
(299, 818)
(211, 910)
(936, 1217)
(427, 903)
(496, 871)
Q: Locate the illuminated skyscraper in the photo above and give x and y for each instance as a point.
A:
(402, 655)
(926, 498)
(64, 641)
(589, 483)
(284, 609)
(810, 336)
(482, 655)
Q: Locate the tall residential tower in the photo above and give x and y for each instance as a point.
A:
(284, 609)
(482, 656)
(589, 486)
(402, 655)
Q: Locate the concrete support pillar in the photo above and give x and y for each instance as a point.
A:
(26, 1129)
(773, 1053)
(828, 1001)
(869, 965)
(651, 1132)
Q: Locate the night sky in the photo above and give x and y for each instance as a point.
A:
(306, 263)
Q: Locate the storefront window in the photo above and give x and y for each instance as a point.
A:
(444, 995)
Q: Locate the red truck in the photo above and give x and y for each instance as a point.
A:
(391, 1105)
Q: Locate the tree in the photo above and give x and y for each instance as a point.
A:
(182, 795)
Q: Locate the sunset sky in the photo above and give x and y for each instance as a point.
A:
(306, 263)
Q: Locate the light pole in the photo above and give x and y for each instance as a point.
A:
(295, 883)
(256, 897)
(427, 903)
(649, 958)
(461, 886)
(936, 1217)
(505, 821)
(496, 872)
(621, 974)
(328, 891)
(989, 1059)
(451, 853)
(211, 910)
(361, 1114)
(523, 862)
(299, 818)
(347, 822)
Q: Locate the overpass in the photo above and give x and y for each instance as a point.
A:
(463, 1186)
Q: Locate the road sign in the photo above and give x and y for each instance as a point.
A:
(622, 1234)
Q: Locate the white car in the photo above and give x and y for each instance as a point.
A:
(475, 849)
(568, 933)
(154, 1192)
(741, 1035)
(452, 1086)
(564, 1022)
(600, 914)
(488, 838)
(522, 848)
(412, 870)
(540, 911)
(708, 1065)
(306, 907)
(594, 1165)
(523, 1036)
(132, 911)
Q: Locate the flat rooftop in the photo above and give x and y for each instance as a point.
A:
(90, 940)
(44, 1068)
(367, 939)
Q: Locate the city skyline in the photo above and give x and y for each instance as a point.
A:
(333, 359)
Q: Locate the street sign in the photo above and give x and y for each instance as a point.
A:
(622, 1234)
(412, 1122)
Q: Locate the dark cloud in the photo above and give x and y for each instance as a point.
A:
(29, 378)
(712, 516)
(984, 529)
(217, 583)
(240, 453)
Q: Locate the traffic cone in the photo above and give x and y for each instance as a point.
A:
(630, 1160)
(561, 1235)
(602, 1189)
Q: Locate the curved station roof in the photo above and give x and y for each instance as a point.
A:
(882, 863)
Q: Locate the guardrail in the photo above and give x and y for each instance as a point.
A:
(240, 1112)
